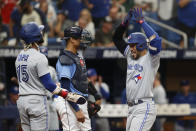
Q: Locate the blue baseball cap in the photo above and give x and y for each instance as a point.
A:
(91, 72)
(14, 90)
(184, 83)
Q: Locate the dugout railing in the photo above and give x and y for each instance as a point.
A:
(170, 28)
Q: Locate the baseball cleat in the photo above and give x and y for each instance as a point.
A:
(73, 97)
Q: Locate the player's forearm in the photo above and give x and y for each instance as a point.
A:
(118, 38)
(46, 80)
(148, 30)
(154, 39)
(74, 106)
(65, 83)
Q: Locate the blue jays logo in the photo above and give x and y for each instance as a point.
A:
(137, 78)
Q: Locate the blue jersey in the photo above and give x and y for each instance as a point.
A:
(68, 71)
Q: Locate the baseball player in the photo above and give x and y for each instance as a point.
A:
(142, 64)
(72, 74)
(34, 79)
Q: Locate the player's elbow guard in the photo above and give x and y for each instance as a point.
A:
(155, 46)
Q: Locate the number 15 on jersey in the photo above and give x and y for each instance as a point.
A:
(22, 74)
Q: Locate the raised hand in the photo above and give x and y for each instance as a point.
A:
(126, 20)
(138, 17)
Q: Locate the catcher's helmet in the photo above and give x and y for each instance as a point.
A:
(86, 39)
(31, 32)
(73, 31)
(139, 39)
(44, 50)
(77, 32)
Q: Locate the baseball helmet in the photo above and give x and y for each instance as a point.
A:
(44, 50)
(91, 72)
(31, 32)
(139, 39)
(73, 31)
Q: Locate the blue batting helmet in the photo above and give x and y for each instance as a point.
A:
(31, 32)
(139, 39)
(44, 50)
(73, 31)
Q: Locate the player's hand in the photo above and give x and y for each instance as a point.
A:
(80, 116)
(126, 20)
(138, 17)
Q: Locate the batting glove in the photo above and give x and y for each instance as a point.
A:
(126, 20)
(138, 17)
(73, 97)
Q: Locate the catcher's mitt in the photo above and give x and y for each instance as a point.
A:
(93, 108)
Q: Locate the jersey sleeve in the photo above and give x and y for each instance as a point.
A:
(118, 39)
(154, 39)
(42, 66)
(155, 60)
(66, 71)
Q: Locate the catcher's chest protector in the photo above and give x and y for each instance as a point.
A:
(79, 79)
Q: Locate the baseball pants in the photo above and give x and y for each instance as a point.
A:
(68, 118)
(33, 110)
(141, 117)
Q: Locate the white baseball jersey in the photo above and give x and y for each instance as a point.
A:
(30, 65)
(140, 75)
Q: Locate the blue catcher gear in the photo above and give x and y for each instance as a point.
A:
(31, 32)
(139, 39)
(73, 31)
(44, 50)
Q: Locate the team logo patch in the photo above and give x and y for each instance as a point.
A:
(137, 78)
(81, 62)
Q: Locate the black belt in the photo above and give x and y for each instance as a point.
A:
(135, 103)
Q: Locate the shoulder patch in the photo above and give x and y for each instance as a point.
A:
(65, 60)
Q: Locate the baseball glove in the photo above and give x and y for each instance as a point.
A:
(93, 109)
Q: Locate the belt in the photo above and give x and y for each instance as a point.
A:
(136, 102)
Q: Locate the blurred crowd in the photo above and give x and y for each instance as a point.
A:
(100, 17)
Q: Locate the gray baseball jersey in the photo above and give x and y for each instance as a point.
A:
(30, 65)
(140, 75)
